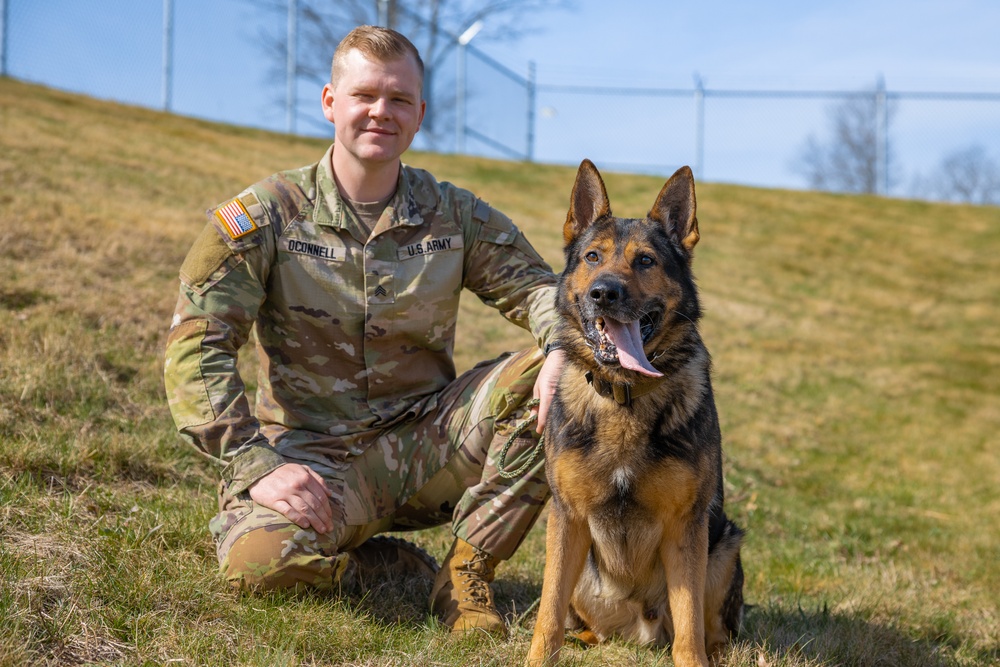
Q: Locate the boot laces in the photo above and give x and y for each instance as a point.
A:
(476, 586)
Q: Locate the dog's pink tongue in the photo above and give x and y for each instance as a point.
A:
(628, 340)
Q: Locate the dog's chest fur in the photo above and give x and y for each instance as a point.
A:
(631, 472)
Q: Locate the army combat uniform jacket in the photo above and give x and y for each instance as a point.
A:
(353, 334)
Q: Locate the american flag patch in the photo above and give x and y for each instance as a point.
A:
(235, 219)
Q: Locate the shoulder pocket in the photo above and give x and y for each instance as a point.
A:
(206, 256)
(496, 227)
(497, 236)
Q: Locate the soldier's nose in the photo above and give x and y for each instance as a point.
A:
(378, 109)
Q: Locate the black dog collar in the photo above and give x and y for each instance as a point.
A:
(623, 393)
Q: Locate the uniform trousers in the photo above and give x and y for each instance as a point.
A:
(438, 465)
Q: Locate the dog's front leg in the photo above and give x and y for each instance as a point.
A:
(567, 542)
(684, 552)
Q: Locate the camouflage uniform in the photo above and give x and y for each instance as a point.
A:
(355, 338)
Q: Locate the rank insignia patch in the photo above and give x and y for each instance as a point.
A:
(235, 219)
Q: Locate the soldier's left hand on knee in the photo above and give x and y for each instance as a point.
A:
(298, 492)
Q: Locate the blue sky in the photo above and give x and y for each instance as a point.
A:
(790, 45)
(915, 44)
(111, 48)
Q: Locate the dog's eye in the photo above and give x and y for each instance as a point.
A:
(646, 260)
(591, 257)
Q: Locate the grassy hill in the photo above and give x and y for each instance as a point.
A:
(857, 369)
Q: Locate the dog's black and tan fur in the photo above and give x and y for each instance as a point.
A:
(638, 544)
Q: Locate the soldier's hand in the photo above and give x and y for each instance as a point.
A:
(545, 384)
(298, 492)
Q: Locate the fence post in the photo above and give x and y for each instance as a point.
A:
(3, 37)
(460, 98)
(699, 127)
(881, 139)
(290, 67)
(531, 85)
(168, 54)
(463, 41)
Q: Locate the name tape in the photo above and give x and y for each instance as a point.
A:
(315, 250)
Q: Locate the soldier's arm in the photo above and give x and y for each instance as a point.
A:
(220, 294)
(506, 272)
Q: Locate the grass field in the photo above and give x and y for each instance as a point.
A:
(857, 370)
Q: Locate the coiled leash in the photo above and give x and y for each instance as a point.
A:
(518, 430)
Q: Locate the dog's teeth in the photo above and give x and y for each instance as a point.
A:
(601, 335)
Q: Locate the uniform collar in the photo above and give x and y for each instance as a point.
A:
(329, 208)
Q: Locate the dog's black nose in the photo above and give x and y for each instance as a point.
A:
(607, 292)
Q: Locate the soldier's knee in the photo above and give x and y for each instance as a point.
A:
(283, 558)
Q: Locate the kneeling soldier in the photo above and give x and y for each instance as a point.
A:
(348, 271)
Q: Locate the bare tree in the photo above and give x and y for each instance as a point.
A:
(432, 25)
(968, 175)
(849, 160)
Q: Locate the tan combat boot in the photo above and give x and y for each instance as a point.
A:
(381, 557)
(461, 595)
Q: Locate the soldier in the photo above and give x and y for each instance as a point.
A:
(348, 271)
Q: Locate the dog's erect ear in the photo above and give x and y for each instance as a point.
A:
(675, 209)
(588, 203)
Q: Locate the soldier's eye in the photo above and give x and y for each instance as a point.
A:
(591, 257)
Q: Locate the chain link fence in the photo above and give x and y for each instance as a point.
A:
(210, 60)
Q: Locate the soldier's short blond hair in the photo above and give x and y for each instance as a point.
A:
(375, 43)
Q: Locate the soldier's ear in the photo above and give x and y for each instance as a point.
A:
(588, 203)
(675, 208)
(326, 101)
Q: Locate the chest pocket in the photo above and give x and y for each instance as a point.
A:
(316, 248)
(303, 239)
(313, 261)
(429, 268)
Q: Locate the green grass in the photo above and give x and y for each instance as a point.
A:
(855, 350)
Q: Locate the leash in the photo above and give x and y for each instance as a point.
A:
(518, 430)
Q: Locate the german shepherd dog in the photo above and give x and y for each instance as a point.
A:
(638, 545)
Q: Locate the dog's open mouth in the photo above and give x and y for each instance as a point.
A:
(622, 342)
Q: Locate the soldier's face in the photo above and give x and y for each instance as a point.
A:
(376, 107)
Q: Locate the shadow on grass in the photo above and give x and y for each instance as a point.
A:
(392, 601)
(772, 636)
(516, 600)
(777, 636)
(406, 601)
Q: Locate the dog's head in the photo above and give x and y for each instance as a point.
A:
(627, 293)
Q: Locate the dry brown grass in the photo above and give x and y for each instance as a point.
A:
(856, 373)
